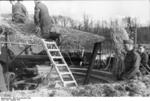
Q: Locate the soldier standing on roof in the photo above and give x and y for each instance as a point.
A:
(19, 12)
(42, 19)
(131, 61)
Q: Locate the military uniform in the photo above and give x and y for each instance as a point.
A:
(144, 58)
(132, 64)
(144, 68)
(42, 19)
(19, 13)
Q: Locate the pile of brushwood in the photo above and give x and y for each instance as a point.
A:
(139, 87)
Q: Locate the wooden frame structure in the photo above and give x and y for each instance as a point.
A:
(89, 72)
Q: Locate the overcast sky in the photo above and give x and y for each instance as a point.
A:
(97, 9)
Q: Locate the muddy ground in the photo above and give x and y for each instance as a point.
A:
(129, 88)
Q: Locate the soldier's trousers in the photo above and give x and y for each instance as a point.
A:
(2, 80)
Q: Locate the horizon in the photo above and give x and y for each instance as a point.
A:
(96, 10)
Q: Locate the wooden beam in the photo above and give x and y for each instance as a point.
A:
(97, 76)
(85, 69)
(94, 54)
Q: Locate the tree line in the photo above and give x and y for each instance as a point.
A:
(103, 28)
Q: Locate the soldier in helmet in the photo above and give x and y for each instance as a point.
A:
(43, 21)
(131, 61)
(144, 67)
(42, 18)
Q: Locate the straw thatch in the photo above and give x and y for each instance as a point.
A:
(71, 39)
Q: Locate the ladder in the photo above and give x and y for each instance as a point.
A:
(59, 63)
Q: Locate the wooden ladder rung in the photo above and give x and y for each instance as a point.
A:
(57, 50)
(84, 69)
(60, 64)
(56, 57)
(70, 84)
(51, 43)
(67, 82)
(65, 73)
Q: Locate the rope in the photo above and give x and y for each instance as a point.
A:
(15, 43)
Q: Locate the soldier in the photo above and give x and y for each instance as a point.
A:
(144, 68)
(19, 12)
(42, 18)
(131, 61)
(43, 22)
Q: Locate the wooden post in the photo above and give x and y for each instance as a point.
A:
(94, 54)
(136, 35)
(82, 55)
(7, 58)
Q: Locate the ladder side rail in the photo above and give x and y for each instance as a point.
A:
(61, 57)
(52, 61)
(66, 65)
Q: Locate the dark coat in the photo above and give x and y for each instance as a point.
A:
(144, 58)
(144, 68)
(42, 18)
(132, 64)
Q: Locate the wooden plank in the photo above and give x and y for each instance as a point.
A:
(96, 74)
(85, 69)
(100, 77)
(33, 57)
(79, 73)
(41, 57)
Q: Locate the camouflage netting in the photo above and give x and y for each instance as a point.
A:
(118, 35)
(71, 40)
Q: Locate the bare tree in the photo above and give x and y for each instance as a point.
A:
(85, 22)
